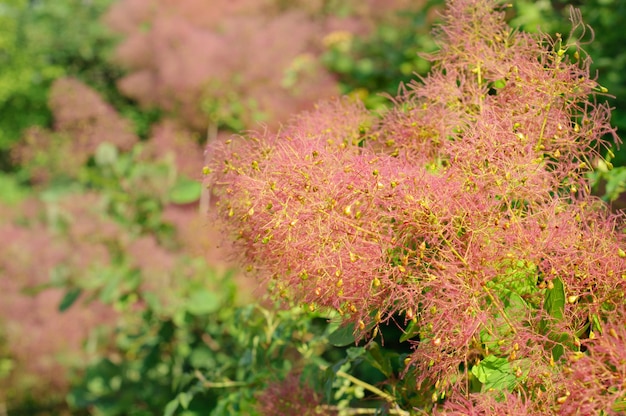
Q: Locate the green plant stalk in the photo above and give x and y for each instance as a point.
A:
(387, 397)
(219, 385)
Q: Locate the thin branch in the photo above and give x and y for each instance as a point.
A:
(387, 397)
(219, 385)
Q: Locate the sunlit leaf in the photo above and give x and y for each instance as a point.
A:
(554, 302)
(500, 83)
(494, 373)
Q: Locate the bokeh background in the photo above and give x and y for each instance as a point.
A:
(116, 293)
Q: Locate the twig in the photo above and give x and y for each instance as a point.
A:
(219, 385)
(388, 398)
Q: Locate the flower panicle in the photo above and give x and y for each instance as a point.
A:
(465, 211)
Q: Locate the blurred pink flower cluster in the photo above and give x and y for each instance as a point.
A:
(291, 396)
(233, 63)
(43, 343)
(82, 121)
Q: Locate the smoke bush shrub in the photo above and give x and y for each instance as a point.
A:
(95, 243)
(463, 215)
(82, 122)
(290, 396)
(95, 274)
(42, 344)
(233, 64)
(41, 42)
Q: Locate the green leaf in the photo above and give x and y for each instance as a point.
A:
(202, 302)
(69, 298)
(554, 305)
(185, 191)
(515, 306)
(597, 324)
(202, 357)
(379, 360)
(500, 83)
(343, 336)
(184, 399)
(171, 407)
(10, 191)
(615, 183)
(580, 333)
(153, 301)
(353, 353)
(495, 373)
(619, 405)
(411, 331)
(558, 350)
(554, 302)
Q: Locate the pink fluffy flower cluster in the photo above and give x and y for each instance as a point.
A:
(464, 209)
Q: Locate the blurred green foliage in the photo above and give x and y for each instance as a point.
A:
(158, 311)
(155, 348)
(375, 64)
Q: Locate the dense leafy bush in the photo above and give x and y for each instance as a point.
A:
(41, 41)
(101, 224)
(463, 215)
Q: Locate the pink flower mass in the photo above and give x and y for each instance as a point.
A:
(464, 209)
